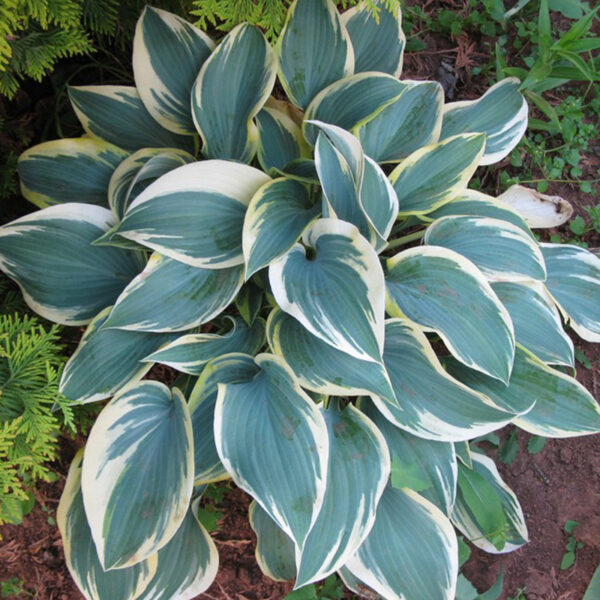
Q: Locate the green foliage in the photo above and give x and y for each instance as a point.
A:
(568, 559)
(13, 587)
(331, 589)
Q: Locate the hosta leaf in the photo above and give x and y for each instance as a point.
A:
(167, 55)
(338, 292)
(138, 171)
(301, 169)
(189, 353)
(230, 368)
(500, 250)
(115, 113)
(231, 88)
(463, 453)
(280, 139)
(68, 170)
(276, 217)
(574, 283)
(359, 468)
(63, 277)
(501, 113)
(476, 204)
(411, 552)
(138, 473)
(429, 402)
(487, 509)
(433, 175)
(354, 584)
(171, 296)
(351, 100)
(405, 124)
(319, 366)
(195, 214)
(432, 463)
(249, 301)
(80, 553)
(444, 292)
(537, 321)
(563, 407)
(187, 565)
(378, 41)
(274, 549)
(107, 361)
(314, 50)
(272, 408)
(539, 210)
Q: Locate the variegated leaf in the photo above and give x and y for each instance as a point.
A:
(107, 361)
(314, 50)
(63, 277)
(273, 408)
(378, 39)
(430, 403)
(433, 175)
(138, 473)
(500, 250)
(537, 322)
(539, 210)
(115, 113)
(229, 368)
(169, 295)
(337, 293)
(411, 552)
(195, 214)
(501, 113)
(574, 283)
(276, 217)
(359, 468)
(168, 52)
(319, 366)
(231, 88)
(444, 292)
(189, 353)
(80, 553)
(503, 519)
(68, 170)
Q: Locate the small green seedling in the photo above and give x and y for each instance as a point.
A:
(568, 559)
(13, 587)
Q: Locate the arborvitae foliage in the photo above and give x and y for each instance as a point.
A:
(32, 411)
(269, 15)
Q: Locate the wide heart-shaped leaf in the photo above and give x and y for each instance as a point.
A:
(138, 473)
(168, 52)
(411, 552)
(501, 113)
(68, 170)
(171, 296)
(486, 510)
(433, 175)
(442, 291)
(359, 468)
(337, 292)
(189, 353)
(427, 467)
(428, 402)
(80, 553)
(115, 113)
(273, 408)
(107, 361)
(574, 282)
(276, 217)
(187, 565)
(537, 321)
(230, 368)
(231, 88)
(319, 366)
(378, 40)
(63, 277)
(314, 50)
(195, 214)
(500, 250)
(563, 407)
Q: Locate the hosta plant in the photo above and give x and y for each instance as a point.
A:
(346, 312)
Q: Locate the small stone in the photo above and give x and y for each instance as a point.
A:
(566, 454)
